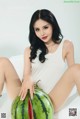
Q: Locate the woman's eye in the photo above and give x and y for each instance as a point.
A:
(36, 29)
(45, 27)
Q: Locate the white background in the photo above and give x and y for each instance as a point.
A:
(15, 17)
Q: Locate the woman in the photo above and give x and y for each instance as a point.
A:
(44, 60)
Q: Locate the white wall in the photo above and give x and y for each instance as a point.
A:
(15, 17)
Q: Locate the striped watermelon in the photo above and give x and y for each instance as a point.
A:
(40, 107)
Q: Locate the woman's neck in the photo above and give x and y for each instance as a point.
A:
(51, 47)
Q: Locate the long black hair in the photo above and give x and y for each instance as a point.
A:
(35, 43)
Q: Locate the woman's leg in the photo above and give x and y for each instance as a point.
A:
(9, 76)
(64, 86)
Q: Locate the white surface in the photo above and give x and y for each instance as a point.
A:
(72, 102)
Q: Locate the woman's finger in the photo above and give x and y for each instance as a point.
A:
(23, 94)
(33, 88)
(31, 92)
(20, 92)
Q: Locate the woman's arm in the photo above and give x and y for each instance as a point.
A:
(27, 64)
(68, 52)
(27, 82)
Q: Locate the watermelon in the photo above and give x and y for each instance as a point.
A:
(40, 107)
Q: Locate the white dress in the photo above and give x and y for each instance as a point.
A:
(50, 71)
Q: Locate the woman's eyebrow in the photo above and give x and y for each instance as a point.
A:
(46, 25)
(42, 26)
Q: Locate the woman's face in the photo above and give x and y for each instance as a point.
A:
(43, 30)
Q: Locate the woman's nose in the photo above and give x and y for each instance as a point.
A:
(42, 33)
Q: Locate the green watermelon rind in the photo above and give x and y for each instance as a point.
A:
(41, 103)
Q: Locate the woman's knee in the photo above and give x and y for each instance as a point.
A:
(75, 70)
(3, 61)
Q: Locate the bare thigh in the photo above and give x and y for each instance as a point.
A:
(63, 88)
(11, 78)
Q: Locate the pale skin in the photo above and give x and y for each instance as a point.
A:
(66, 82)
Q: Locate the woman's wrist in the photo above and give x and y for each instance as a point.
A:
(27, 78)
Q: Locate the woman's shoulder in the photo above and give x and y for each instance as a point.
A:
(67, 44)
(68, 47)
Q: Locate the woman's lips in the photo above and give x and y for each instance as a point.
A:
(44, 37)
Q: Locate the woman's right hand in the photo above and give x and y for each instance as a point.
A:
(26, 85)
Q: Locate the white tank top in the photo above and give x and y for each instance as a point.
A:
(50, 71)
